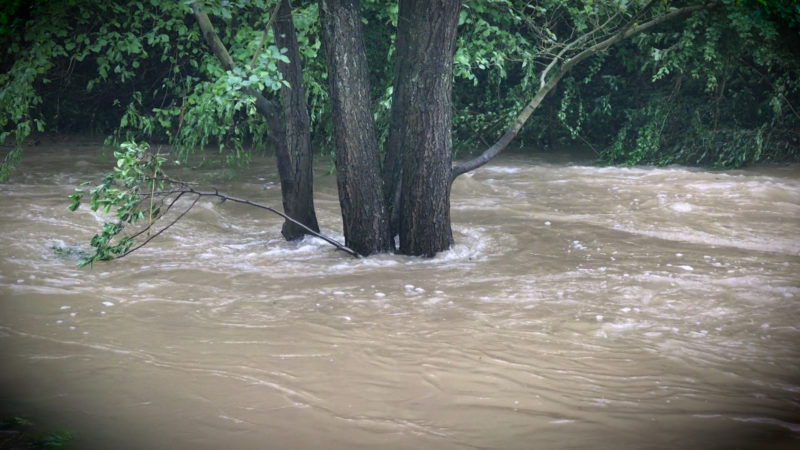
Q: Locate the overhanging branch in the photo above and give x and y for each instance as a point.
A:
(630, 29)
(264, 106)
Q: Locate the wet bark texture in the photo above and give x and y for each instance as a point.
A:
(365, 223)
(295, 164)
(292, 152)
(418, 158)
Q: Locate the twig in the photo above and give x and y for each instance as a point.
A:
(150, 225)
(224, 197)
(153, 236)
(188, 190)
(264, 34)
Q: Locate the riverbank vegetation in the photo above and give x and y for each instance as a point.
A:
(718, 88)
(710, 83)
(20, 433)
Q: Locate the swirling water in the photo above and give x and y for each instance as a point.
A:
(581, 307)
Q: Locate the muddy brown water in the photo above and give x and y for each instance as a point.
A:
(581, 307)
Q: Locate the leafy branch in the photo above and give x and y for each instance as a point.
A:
(140, 193)
(571, 54)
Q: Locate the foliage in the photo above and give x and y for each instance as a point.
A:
(129, 190)
(22, 434)
(139, 70)
(52, 440)
(494, 69)
(18, 96)
(672, 96)
(69, 252)
(505, 47)
(724, 90)
(136, 69)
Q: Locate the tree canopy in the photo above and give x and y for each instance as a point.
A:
(139, 70)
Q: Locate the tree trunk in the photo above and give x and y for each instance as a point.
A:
(295, 165)
(418, 152)
(366, 226)
(293, 153)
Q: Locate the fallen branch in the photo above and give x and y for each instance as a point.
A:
(199, 194)
(224, 197)
(139, 201)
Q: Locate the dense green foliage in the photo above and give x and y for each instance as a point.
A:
(134, 70)
(723, 91)
(720, 88)
(130, 192)
(19, 432)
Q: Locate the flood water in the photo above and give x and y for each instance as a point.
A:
(581, 307)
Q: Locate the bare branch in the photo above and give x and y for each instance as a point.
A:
(264, 34)
(199, 194)
(224, 197)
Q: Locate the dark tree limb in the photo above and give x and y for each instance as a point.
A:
(308, 230)
(364, 217)
(287, 140)
(419, 142)
(547, 85)
(182, 191)
(297, 185)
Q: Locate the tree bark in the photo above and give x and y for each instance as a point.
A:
(293, 154)
(297, 185)
(418, 152)
(365, 223)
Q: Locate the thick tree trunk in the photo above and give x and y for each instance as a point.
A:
(418, 152)
(366, 226)
(295, 165)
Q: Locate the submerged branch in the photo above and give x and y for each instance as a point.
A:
(224, 197)
(140, 202)
(199, 194)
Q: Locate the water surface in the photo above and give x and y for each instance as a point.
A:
(581, 307)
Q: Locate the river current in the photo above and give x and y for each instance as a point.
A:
(581, 307)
